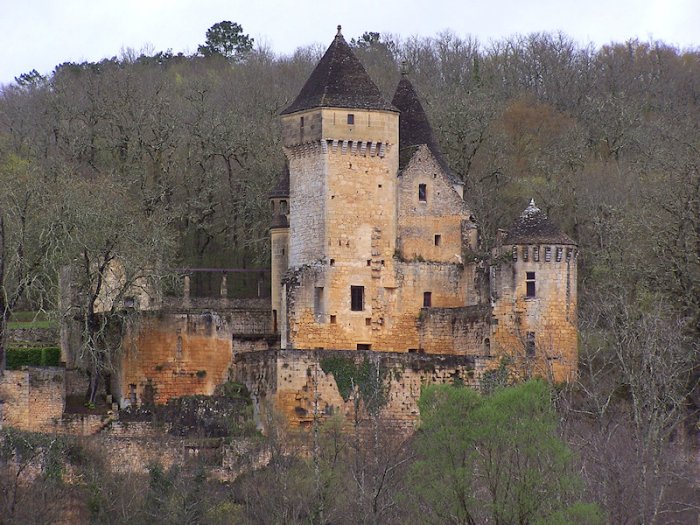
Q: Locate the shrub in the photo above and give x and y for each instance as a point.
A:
(51, 356)
(33, 356)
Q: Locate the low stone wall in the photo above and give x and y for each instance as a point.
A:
(307, 384)
(33, 397)
(33, 335)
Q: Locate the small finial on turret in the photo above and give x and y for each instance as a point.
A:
(404, 68)
(532, 209)
(339, 28)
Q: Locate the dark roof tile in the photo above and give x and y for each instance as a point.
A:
(339, 80)
(533, 227)
(414, 127)
(281, 189)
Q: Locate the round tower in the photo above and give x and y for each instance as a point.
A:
(533, 289)
(279, 242)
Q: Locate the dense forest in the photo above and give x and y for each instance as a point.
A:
(164, 161)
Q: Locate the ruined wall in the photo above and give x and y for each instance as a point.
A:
(435, 225)
(550, 316)
(173, 355)
(295, 384)
(33, 398)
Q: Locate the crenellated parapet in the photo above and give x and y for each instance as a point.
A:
(361, 148)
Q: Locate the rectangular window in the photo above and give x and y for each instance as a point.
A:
(558, 256)
(536, 254)
(526, 252)
(301, 122)
(530, 284)
(530, 344)
(364, 346)
(547, 253)
(515, 254)
(427, 299)
(357, 298)
(422, 193)
(318, 301)
(569, 251)
(351, 119)
(333, 319)
(438, 239)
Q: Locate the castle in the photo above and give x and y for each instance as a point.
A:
(374, 248)
(377, 276)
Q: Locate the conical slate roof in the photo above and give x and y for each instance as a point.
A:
(339, 81)
(281, 189)
(414, 127)
(533, 227)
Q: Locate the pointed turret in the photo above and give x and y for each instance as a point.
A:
(534, 227)
(414, 127)
(339, 81)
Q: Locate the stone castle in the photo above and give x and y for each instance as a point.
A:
(377, 276)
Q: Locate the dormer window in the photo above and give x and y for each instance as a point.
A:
(351, 119)
(422, 193)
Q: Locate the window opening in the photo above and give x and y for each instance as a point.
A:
(333, 319)
(318, 301)
(526, 252)
(547, 254)
(368, 321)
(427, 299)
(438, 239)
(536, 254)
(530, 344)
(351, 118)
(515, 254)
(422, 193)
(558, 256)
(364, 346)
(301, 122)
(357, 298)
(487, 346)
(530, 284)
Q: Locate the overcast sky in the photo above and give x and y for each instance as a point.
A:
(39, 34)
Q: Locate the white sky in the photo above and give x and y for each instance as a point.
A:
(39, 34)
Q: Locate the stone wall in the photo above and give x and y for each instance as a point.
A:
(461, 331)
(33, 397)
(174, 354)
(294, 383)
(320, 313)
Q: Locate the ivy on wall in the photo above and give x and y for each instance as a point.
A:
(368, 379)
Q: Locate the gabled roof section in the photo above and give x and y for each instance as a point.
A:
(414, 127)
(533, 227)
(281, 189)
(339, 81)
